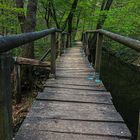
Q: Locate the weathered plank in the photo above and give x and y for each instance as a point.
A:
(75, 111)
(45, 135)
(76, 127)
(73, 97)
(80, 82)
(75, 91)
(95, 87)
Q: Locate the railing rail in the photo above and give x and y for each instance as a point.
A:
(131, 43)
(8, 43)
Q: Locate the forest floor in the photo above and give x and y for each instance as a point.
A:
(19, 111)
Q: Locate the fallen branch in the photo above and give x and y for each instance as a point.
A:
(33, 62)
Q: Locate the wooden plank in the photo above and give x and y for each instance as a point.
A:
(95, 87)
(72, 97)
(77, 91)
(45, 135)
(66, 74)
(75, 111)
(77, 82)
(76, 127)
(77, 70)
(73, 69)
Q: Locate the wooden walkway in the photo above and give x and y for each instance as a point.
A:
(73, 106)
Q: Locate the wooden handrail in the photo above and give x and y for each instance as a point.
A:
(129, 42)
(9, 42)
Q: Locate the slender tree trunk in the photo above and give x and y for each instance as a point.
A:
(71, 14)
(54, 15)
(21, 16)
(69, 20)
(28, 50)
(92, 47)
(27, 24)
(77, 24)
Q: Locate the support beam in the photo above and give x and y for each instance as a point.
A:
(45, 55)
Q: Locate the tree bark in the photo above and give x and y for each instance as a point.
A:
(71, 15)
(54, 15)
(21, 16)
(28, 50)
(92, 47)
(27, 24)
(69, 20)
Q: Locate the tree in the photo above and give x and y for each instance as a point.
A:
(102, 17)
(28, 24)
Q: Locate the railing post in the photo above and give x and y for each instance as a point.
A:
(59, 45)
(98, 55)
(65, 42)
(86, 44)
(53, 54)
(5, 97)
(17, 83)
(62, 43)
(68, 41)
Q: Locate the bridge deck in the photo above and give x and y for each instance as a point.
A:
(73, 107)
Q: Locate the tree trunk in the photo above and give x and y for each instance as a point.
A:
(69, 20)
(92, 42)
(28, 50)
(21, 16)
(54, 15)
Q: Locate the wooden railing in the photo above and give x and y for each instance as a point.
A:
(7, 63)
(131, 43)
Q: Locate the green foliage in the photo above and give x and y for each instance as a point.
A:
(8, 18)
(123, 18)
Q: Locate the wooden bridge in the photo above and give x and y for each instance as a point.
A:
(74, 104)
